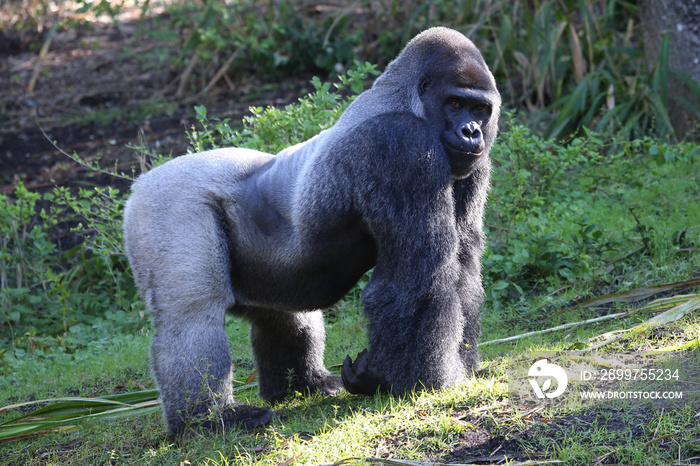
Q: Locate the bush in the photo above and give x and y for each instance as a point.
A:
(54, 302)
(273, 129)
(539, 236)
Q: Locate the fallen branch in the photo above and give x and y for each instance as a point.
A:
(221, 71)
(673, 314)
(639, 293)
(558, 327)
(185, 76)
(684, 305)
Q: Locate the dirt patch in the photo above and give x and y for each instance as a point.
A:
(96, 95)
(481, 446)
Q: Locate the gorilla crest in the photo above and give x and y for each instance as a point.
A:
(399, 183)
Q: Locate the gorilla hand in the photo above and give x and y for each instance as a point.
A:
(358, 378)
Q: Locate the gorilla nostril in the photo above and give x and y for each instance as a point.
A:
(469, 130)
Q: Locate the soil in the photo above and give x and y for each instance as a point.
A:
(95, 96)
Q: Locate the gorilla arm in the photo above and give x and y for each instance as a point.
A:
(470, 199)
(360, 376)
(415, 320)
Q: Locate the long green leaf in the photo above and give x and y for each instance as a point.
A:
(659, 109)
(660, 79)
(558, 327)
(63, 412)
(673, 314)
(688, 345)
(690, 82)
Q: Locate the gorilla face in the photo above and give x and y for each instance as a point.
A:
(466, 115)
(460, 96)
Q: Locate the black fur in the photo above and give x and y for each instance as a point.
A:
(398, 184)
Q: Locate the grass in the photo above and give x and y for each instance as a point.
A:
(566, 223)
(637, 202)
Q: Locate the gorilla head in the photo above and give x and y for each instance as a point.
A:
(454, 90)
(399, 183)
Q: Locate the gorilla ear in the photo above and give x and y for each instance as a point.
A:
(423, 85)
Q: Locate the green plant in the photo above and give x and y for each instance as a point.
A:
(52, 301)
(271, 38)
(525, 249)
(540, 232)
(273, 129)
(623, 97)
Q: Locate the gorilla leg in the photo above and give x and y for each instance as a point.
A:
(192, 365)
(284, 341)
(182, 275)
(194, 377)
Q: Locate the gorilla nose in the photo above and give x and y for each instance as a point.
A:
(469, 130)
(470, 134)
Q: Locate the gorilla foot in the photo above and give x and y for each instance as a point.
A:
(331, 386)
(358, 378)
(242, 416)
(326, 385)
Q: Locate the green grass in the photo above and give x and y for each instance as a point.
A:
(427, 426)
(566, 223)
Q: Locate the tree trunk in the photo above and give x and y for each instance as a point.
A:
(680, 18)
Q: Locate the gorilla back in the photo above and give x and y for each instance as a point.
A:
(399, 183)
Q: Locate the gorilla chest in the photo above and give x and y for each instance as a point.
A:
(287, 271)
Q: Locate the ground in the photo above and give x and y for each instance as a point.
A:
(95, 96)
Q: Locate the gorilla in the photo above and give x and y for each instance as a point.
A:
(399, 184)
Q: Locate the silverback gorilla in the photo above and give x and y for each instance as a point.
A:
(399, 183)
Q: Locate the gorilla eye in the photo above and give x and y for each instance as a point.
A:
(454, 103)
(423, 85)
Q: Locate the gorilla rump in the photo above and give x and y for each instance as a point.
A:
(399, 183)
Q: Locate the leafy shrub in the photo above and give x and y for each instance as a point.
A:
(273, 129)
(269, 38)
(539, 233)
(51, 302)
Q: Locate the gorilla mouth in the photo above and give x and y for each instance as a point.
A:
(464, 151)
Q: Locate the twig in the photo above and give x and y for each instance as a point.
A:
(221, 71)
(45, 48)
(619, 315)
(77, 160)
(185, 76)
